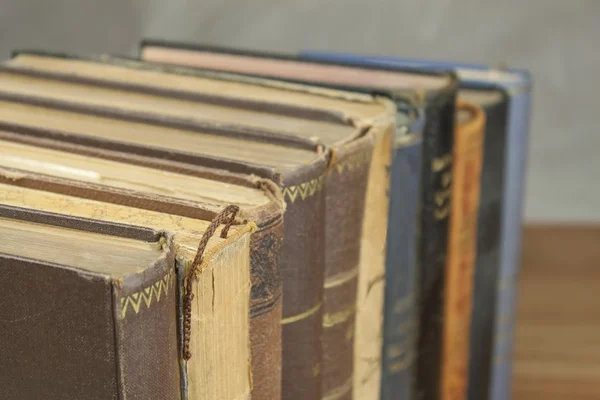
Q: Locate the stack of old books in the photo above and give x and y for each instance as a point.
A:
(204, 223)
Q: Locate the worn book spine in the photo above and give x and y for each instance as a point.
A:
(516, 162)
(346, 185)
(216, 325)
(436, 186)
(266, 309)
(399, 333)
(487, 262)
(302, 269)
(368, 340)
(466, 173)
(144, 312)
(75, 334)
(301, 262)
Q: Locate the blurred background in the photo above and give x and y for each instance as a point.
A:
(556, 39)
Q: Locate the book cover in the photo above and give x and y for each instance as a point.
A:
(516, 85)
(495, 104)
(400, 311)
(88, 310)
(468, 155)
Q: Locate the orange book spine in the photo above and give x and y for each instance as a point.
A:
(468, 158)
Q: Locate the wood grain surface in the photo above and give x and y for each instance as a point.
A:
(557, 355)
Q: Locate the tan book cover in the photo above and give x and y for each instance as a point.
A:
(466, 173)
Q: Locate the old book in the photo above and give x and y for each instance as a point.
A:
(297, 167)
(88, 309)
(494, 102)
(400, 313)
(174, 202)
(500, 220)
(250, 103)
(516, 85)
(466, 172)
(439, 93)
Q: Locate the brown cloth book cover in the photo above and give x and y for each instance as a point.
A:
(88, 309)
(466, 173)
(350, 164)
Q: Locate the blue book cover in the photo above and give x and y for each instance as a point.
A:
(516, 84)
(400, 313)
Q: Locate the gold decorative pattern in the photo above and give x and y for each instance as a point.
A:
(309, 188)
(341, 279)
(316, 369)
(332, 319)
(301, 316)
(304, 190)
(338, 392)
(149, 294)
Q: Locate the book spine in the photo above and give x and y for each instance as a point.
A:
(516, 160)
(266, 310)
(146, 332)
(302, 269)
(346, 185)
(368, 339)
(487, 261)
(466, 172)
(436, 184)
(401, 270)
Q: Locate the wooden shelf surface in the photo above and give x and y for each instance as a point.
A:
(557, 354)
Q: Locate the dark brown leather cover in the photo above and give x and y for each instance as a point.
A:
(145, 313)
(65, 334)
(266, 308)
(301, 263)
(266, 293)
(436, 186)
(54, 347)
(346, 188)
(302, 266)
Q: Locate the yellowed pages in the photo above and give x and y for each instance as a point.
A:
(112, 255)
(221, 308)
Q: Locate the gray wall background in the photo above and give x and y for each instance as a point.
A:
(556, 39)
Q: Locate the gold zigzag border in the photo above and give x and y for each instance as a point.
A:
(148, 294)
(304, 189)
(308, 189)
